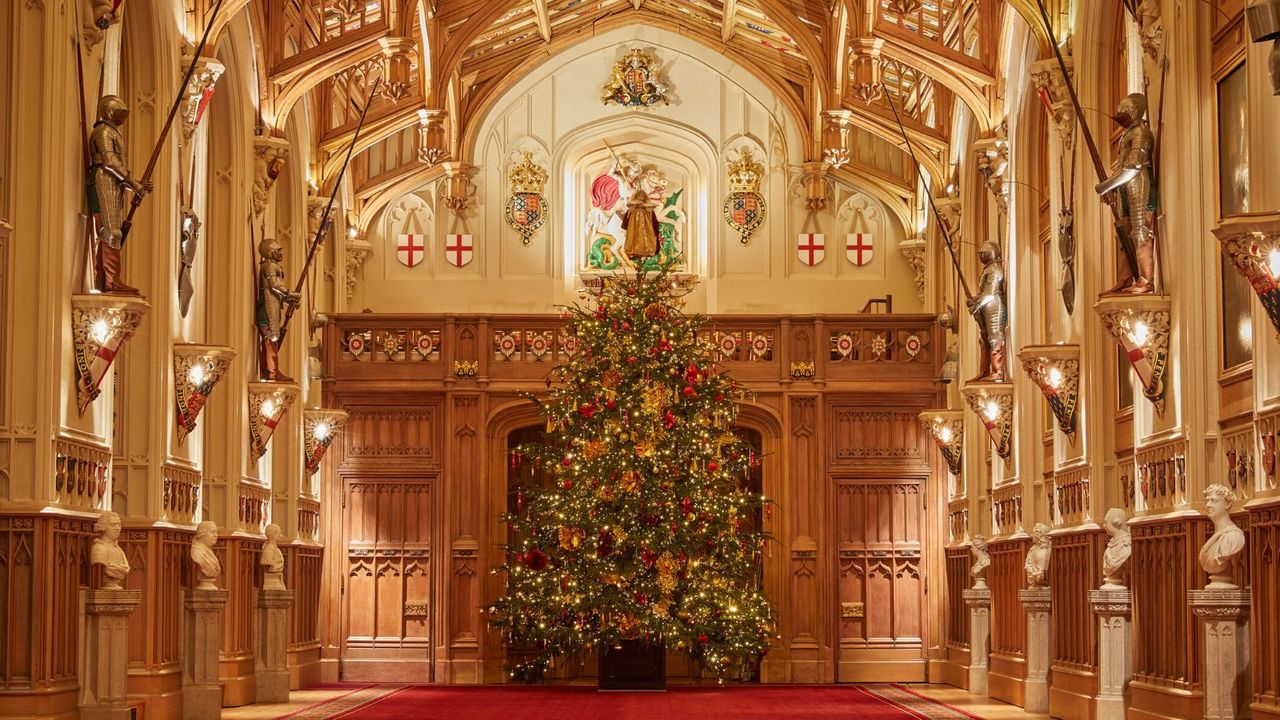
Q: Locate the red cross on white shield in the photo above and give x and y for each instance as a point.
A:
(811, 248)
(458, 249)
(411, 249)
(859, 248)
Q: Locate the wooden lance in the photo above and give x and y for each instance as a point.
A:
(168, 123)
(324, 219)
(942, 226)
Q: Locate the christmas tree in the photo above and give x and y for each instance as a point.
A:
(646, 531)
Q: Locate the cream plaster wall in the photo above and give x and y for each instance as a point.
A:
(555, 112)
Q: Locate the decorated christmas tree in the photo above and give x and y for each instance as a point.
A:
(646, 531)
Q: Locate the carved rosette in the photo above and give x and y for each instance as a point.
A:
(1049, 84)
(432, 142)
(864, 68)
(399, 56)
(1252, 243)
(1140, 324)
(268, 402)
(358, 251)
(836, 128)
(198, 93)
(269, 155)
(100, 326)
(946, 427)
(993, 404)
(1055, 369)
(914, 252)
(196, 370)
(319, 426)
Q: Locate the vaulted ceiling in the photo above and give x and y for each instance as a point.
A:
(439, 64)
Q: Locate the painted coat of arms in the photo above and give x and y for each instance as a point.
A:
(635, 82)
(526, 208)
(744, 209)
(610, 194)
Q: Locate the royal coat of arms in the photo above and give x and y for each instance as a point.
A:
(526, 208)
(635, 82)
(744, 209)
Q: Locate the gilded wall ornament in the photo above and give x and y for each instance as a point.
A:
(526, 208)
(635, 83)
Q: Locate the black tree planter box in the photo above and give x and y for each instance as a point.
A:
(636, 665)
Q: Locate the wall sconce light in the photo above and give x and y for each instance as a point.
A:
(268, 402)
(1140, 324)
(836, 128)
(100, 326)
(993, 404)
(196, 369)
(946, 427)
(1056, 369)
(1252, 242)
(319, 426)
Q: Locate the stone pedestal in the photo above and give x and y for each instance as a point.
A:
(978, 600)
(1115, 651)
(1224, 614)
(1038, 603)
(104, 659)
(201, 638)
(271, 665)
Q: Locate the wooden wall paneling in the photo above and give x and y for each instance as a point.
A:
(1167, 641)
(303, 567)
(804, 620)
(160, 567)
(465, 527)
(1075, 570)
(956, 622)
(1264, 616)
(241, 578)
(1008, 660)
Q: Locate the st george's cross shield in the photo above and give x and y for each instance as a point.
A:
(812, 248)
(859, 248)
(411, 249)
(458, 250)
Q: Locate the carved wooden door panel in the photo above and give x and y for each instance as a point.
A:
(880, 588)
(389, 581)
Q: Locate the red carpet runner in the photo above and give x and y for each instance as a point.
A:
(813, 702)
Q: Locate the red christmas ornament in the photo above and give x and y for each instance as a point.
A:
(649, 557)
(566, 461)
(535, 560)
(713, 466)
(642, 599)
(688, 391)
(702, 637)
(610, 404)
(626, 326)
(587, 411)
(568, 484)
(669, 420)
(719, 397)
(519, 500)
(686, 506)
(631, 359)
(604, 544)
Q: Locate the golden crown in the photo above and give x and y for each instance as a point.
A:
(527, 177)
(745, 173)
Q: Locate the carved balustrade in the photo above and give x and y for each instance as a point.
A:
(81, 474)
(1070, 497)
(1161, 475)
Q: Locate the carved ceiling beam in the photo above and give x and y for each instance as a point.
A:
(334, 147)
(544, 19)
(288, 90)
(372, 198)
(930, 146)
(728, 20)
(963, 76)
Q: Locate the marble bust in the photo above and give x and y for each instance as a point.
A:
(208, 567)
(1219, 552)
(106, 551)
(272, 560)
(1037, 562)
(981, 560)
(1116, 523)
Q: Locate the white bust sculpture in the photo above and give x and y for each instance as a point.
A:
(980, 561)
(208, 567)
(272, 560)
(1116, 523)
(1037, 563)
(106, 551)
(1220, 550)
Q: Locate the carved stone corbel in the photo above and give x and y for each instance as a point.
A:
(269, 155)
(1052, 88)
(1140, 324)
(950, 210)
(358, 251)
(913, 250)
(993, 161)
(992, 402)
(457, 189)
(836, 127)
(1150, 28)
(399, 55)
(814, 186)
(199, 91)
(432, 144)
(864, 68)
(268, 402)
